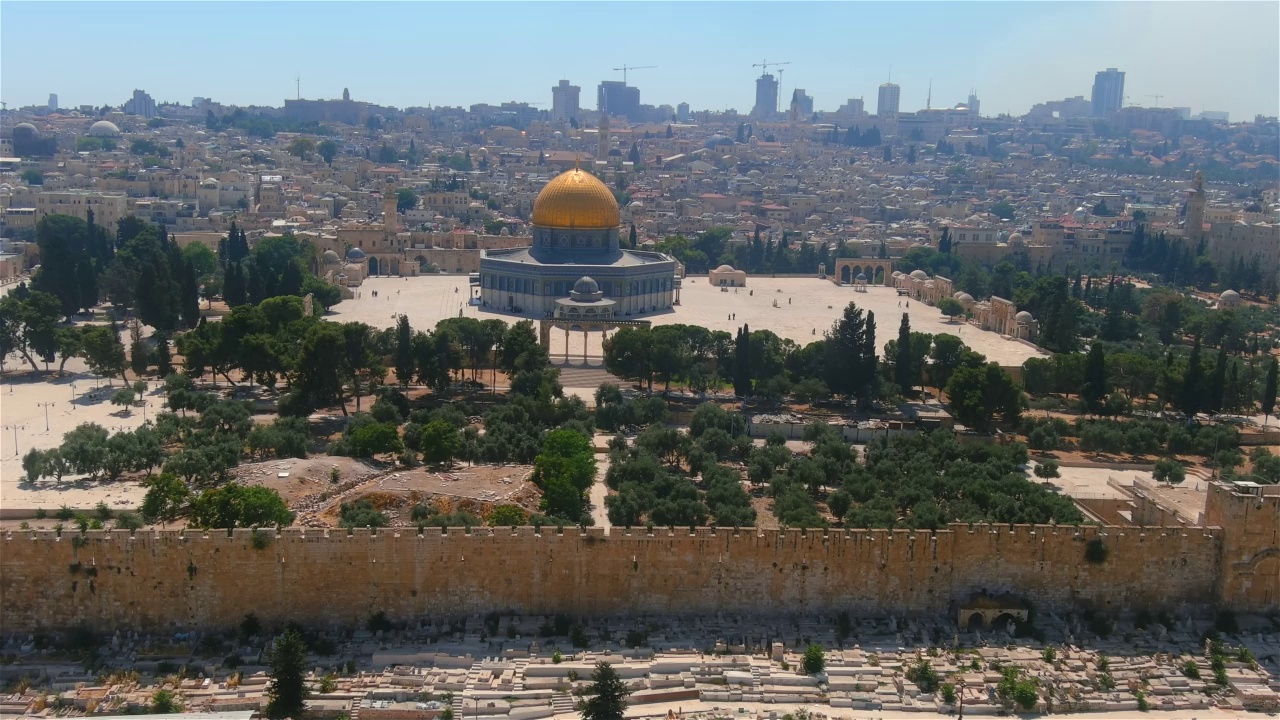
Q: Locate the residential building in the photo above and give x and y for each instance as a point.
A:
(1108, 92)
(682, 112)
(140, 104)
(888, 101)
(564, 102)
(619, 98)
(53, 102)
(766, 106)
(107, 209)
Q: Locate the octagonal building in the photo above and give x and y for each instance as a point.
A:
(575, 234)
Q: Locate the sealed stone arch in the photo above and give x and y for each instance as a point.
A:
(993, 611)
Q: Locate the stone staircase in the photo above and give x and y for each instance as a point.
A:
(562, 704)
(756, 684)
(517, 682)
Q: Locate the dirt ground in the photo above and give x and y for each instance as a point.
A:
(307, 487)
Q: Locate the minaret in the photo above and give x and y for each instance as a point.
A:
(1195, 210)
(602, 141)
(390, 219)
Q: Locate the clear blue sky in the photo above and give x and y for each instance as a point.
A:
(1204, 55)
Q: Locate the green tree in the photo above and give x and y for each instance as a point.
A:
(904, 369)
(103, 351)
(406, 200)
(1192, 396)
(606, 697)
(1003, 210)
(328, 149)
(404, 360)
(287, 694)
(440, 442)
(166, 498)
(977, 395)
(1169, 470)
(950, 307)
(851, 360)
(1096, 386)
(233, 506)
(302, 147)
(1269, 389)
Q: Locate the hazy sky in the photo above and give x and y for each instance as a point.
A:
(1202, 55)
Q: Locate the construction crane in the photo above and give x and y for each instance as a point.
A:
(765, 64)
(1157, 96)
(625, 68)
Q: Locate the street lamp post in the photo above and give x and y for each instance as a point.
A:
(15, 429)
(73, 393)
(46, 406)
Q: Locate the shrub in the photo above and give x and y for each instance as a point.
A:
(1095, 551)
(815, 660)
(1049, 655)
(924, 676)
(508, 516)
(361, 513)
(1191, 669)
(949, 694)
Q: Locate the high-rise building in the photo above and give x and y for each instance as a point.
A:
(140, 104)
(801, 105)
(1108, 92)
(619, 98)
(974, 104)
(682, 112)
(887, 102)
(53, 102)
(854, 108)
(564, 102)
(766, 98)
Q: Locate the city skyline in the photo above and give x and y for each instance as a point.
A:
(1008, 53)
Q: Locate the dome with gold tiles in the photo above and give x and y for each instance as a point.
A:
(576, 199)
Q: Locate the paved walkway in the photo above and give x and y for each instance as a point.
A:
(598, 492)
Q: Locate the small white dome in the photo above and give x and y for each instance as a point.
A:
(725, 268)
(1229, 295)
(919, 274)
(1023, 317)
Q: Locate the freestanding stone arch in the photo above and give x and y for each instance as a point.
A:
(877, 270)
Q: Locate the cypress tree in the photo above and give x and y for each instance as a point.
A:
(404, 350)
(1218, 380)
(287, 695)
(632, 239)
(163, 358)
(903, 373)
(1095, 378)
(139, 358)
(742, 362)
(190, 295)
(1269, 390)
(1192, 383)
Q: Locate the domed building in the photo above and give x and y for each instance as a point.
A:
(104, 129)
(575, 235)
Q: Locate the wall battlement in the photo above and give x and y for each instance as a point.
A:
(192, 578)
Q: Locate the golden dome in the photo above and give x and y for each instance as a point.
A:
(576, 199)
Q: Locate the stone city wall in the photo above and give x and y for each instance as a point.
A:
(192, 579)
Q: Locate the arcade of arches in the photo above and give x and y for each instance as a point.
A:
(878, 272)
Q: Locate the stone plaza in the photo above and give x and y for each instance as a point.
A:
(796, 308)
